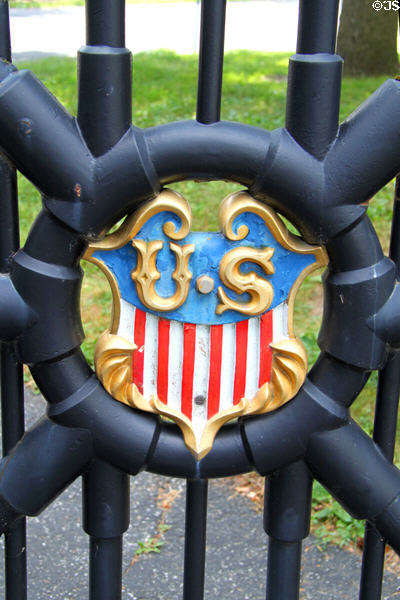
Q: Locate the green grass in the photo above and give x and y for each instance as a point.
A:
(164, 87)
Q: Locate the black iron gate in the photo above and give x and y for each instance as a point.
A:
(96, 169)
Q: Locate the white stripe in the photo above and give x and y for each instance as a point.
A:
(253, 358)
(201, 374)
(227, 365)
(126, 320)
(175, 359)
(150, 356)
(280, 321)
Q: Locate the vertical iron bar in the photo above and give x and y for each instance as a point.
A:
(12, 390)
(195, 539)
(104, 115)
(105, 564)
(211, 60)
(284, 561)
(312, 109)
(105, 519)
(317, 29)
(312, 118)
(287, 511)
(209, 90)
(105, 23)
(386, 409)
(5, 40)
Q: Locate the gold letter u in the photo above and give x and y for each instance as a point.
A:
(146, 274)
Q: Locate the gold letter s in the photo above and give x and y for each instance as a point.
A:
(261, 291)
(146, 274)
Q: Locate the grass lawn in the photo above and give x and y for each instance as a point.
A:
(254, 93)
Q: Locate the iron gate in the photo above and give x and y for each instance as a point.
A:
(96, 169)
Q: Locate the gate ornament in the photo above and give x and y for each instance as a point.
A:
(202, 326)
(204, 293)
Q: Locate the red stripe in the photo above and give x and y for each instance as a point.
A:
(163, 353)
(138, 354)
(266, 333)
(214, 382)
(189, 345)
(239, 387)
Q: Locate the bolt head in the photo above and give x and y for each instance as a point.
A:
(204, 284)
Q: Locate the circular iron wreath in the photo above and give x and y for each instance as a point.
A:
(131, 440)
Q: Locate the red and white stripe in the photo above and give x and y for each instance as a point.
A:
(181, 361)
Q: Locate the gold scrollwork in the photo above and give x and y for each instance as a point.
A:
(146, 274)
(241, 202)
(199, 446)
(288, 372)
(260, 290)
(166, 201)
(114, 354)
(113, 359)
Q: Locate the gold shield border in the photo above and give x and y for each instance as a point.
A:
(114, 354)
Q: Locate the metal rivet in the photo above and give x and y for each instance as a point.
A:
(205, 284)
(200, 400)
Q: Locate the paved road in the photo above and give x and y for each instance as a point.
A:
(267, 25)
(236, 547)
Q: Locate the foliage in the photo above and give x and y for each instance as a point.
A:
(331, 523)
(164, 90)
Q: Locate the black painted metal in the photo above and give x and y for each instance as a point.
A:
(288, 491)
(386, 411)
(105, 519)
(94, 170)
(11, 386)
(284, 560)
(5, 40)
(105, 562)
(211, 60)
(317, 26)
(104, 74)
(105, 23)
(209, 89)
(195, 539)
(287, 513)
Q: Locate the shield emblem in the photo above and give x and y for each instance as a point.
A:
(202, 327)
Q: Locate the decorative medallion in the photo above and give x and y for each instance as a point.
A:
(202, 326)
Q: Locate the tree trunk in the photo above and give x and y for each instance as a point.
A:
(368, 37)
